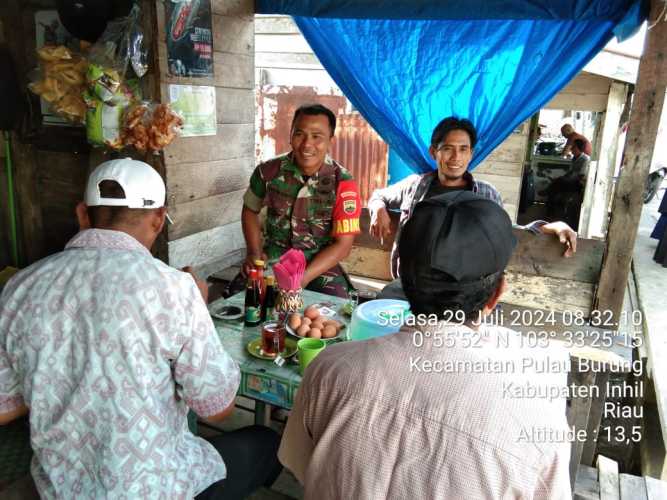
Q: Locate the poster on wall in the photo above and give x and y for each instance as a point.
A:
(189, 38)
(196, 104)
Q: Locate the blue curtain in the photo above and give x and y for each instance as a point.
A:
(406, 75)
(406, 71)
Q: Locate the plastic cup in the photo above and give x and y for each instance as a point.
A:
(308, 351)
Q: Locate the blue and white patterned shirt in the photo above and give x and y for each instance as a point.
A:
(108, 347)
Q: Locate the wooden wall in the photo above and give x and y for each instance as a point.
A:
(586, 92)
(504, 168)
(207, 176)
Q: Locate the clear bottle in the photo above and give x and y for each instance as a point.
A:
(252, 300)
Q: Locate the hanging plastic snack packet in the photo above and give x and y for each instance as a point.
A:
(150, 127)
(61, 80)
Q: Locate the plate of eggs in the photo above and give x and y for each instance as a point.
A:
(316, 322)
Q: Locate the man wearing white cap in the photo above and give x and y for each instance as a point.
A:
(107, 348)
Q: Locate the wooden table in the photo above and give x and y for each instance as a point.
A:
(262, 380)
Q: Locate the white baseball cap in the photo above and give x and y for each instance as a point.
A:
(143, 186)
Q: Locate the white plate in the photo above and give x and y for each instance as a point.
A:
(227, 312)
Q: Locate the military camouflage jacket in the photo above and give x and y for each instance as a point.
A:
(303, 212)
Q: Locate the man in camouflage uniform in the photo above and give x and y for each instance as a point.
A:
(312, 203)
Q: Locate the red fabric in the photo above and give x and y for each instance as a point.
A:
(347, 209)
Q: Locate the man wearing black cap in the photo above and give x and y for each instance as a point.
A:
(452, 144)
(433, 411)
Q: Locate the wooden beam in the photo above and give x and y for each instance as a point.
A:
(608, 477)
(577, 415)
(655, 489)
(632, 487)
(205, 213)
(626, 209)
(597, 221)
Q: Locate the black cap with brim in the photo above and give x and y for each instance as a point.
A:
(460, 234)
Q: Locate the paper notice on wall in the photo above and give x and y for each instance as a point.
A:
(196, 104)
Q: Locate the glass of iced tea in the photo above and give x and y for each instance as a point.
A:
(273, 338)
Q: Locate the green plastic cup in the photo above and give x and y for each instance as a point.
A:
(308, 350)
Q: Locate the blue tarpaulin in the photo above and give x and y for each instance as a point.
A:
(406, 65)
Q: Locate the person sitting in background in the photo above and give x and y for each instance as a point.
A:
(107, 348)
(452, 144)
(566, 193)
(387, 418)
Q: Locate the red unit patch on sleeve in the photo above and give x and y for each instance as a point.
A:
(347, 209)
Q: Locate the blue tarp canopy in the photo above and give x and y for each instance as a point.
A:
(405, 65)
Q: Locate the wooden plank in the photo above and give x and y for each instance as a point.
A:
(287, 60)
(586, 486)
(584, 102)
(235, 105)
(206, 246)
(305, 77)
(608, 477)
(507, 168)
(539, 255)
(192, 181)
(552, 294)
(640, 141)
(28, 201)
(234, 70)
(368, 262)
(232, 141)
(594, 417)
(632, 487)
(577, 416)
(655, 489)
(652, 451)
(607, 161)
(508, 187)
(511, 150)
(273, 25)
(233, 34)
(233, 7)
(282, 43)
(583, 228)
(205, 213)
(587, 83)
(615, 66)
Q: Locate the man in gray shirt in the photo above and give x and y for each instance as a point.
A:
(452, 144)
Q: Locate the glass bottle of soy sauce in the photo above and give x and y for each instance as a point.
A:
(252, 300)
(269, 303)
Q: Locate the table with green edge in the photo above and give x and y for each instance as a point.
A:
(263, 380)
